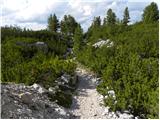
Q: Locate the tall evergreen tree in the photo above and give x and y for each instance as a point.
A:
(53, 23)
(111, 17)
(126, 16)
(68, 25)
(104, 21)
(63, 25)
(97, 21)
(150, 13)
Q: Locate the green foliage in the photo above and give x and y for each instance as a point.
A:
(64, 99)
(14, 32)
(96, 22)
(151, 13)
(53, 23)
(111, 17)
(19, 67)
(78, 39)
(68, 25)
(126, 16)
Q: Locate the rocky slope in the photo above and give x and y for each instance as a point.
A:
(27, 102)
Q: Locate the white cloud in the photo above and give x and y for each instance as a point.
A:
(87, 10)
(33, 13)
(33, 25)
(26, 9)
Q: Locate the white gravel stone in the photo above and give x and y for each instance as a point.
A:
(112, 113)
(106, 110)
(114, 116)
(39, 88)
(62, 112)
(35, 85)
(111, 92)
(106, 96)
(101, 97)
(57, 109)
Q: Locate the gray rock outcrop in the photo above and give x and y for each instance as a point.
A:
(28, 102)
(102, 42)
(39, 45)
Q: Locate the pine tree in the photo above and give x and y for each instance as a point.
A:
(72, 24)
(126, 16)
(53, 23)
(150, 13)
(97, 21)
(68, 25)
(63, 25)
(111, 17)
(104, 21)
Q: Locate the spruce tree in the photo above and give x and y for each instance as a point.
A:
(111, 17)
(68, 25)
(97, 21)
(53, 23)
(63, 24)
(126, 16)
(150, 13)
(104, 21)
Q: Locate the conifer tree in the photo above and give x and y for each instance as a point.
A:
(68, 25)
(150, 13)
(111, 17)
(53, 23)
(97, 21)
(104, 21)
(126, 16)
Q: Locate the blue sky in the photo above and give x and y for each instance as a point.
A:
(33, 14)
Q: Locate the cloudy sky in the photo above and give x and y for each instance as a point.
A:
(33, 14)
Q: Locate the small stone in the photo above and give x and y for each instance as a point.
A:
(62, 112)
(106, 97)
(15, 101)
(101, 97)
(114, 116)
(51, 89)
(111, 92)
(110, 115)
(39, 88)
(95, 114)
(35, 86)
(57, 109)
(26, 97)
(136, 117)
(106, 110)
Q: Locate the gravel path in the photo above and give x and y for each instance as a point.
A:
(88, 103)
